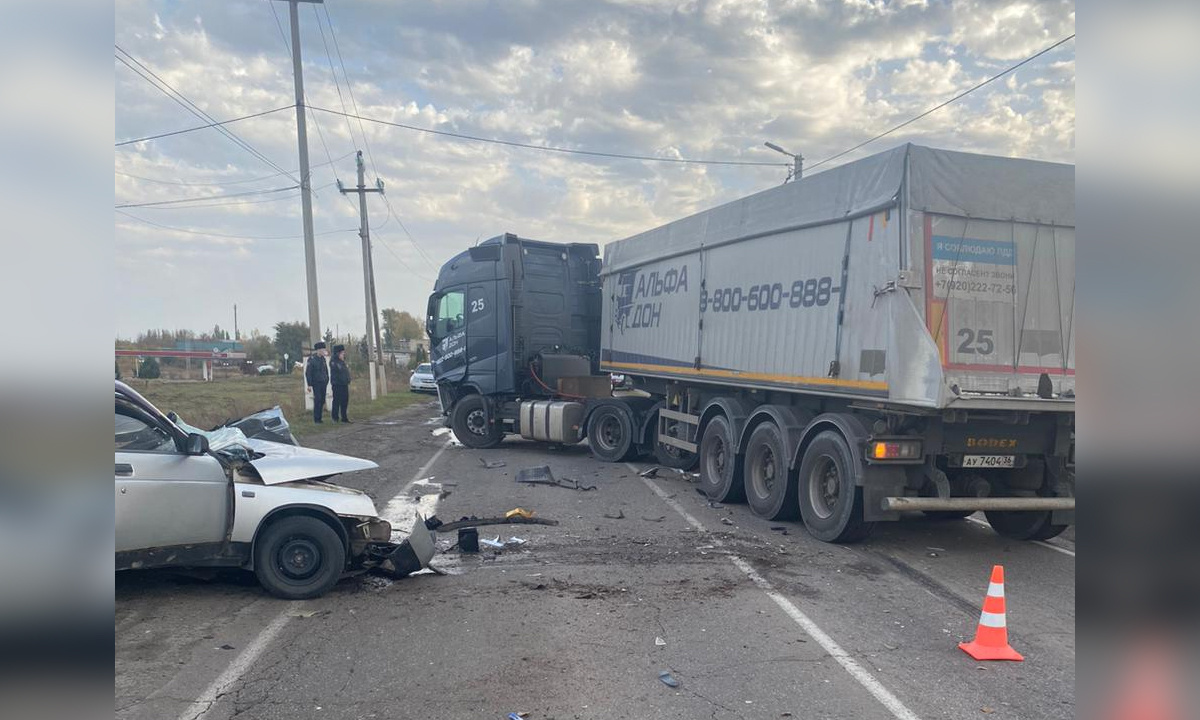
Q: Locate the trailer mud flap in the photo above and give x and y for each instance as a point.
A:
(879, 483)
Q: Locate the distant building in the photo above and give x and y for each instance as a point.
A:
(194, 345)
(402, 352)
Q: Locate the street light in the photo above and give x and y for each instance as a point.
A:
(797, 160)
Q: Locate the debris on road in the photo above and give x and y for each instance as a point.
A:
(519, 512)
(509, 519)
(726, 521)
(780, 529)
(541, 475)
(657, 518)
(668, 679)
(512, 540)
(495, 543)
(618, 515)
(492, 464)
(659, 471)
(468, 540)
(659, 641)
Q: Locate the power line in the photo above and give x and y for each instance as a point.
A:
(226, 182)
(214, 204)
(554, 149)
(392, 213)
(200, 127)
(191, 107)
(934, 109)
(349, 86)
(278, 24)
(224, 235)
(337, 85)
(209, 197)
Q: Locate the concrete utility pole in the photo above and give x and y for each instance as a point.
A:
(364, 232)
(236, 336)
(310, 252)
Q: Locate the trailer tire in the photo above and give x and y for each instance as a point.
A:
(720, 471)
(830, 501)
(471, 424)
(610, 433)
(770, 487)
(1023, 525)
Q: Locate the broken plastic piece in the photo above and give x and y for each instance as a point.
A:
(515, 541)
(726, 521)
(668, 679)
(492, 464)
(659, 641)
(541, 475)
(618, 515)
(520, 512)
(493, 543)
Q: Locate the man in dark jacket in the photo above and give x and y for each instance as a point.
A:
(340, 374)
(316, 374)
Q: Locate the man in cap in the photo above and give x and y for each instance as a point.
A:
(316, 374)
(340, 374)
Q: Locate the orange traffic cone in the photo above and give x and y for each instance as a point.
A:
(991, 637)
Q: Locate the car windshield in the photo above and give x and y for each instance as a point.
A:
(425, 369)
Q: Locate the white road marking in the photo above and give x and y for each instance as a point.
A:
(843, 658)
(200, 707)
(1043, 543)
(244, 660)
(401, 511)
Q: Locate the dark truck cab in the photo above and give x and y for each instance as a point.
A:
(507, 320)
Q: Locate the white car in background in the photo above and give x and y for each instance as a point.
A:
(192, 498)
(422, 379)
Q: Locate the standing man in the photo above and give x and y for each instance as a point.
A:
(316, 374)
(340, 373)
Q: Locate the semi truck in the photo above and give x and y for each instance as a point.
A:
(892, 335)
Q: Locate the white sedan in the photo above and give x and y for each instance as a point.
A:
(257, 504)
(422, 379)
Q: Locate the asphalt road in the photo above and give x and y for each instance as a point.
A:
(641, 576)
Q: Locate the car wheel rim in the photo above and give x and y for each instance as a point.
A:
(477, 422)
(824, 487)
(299, 558)
(762, 472)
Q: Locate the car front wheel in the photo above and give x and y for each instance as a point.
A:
(298, 557)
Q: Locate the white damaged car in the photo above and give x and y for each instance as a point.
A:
(189, 498)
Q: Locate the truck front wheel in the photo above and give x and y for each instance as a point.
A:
(610, 433)
(830, 502)
(471, 424)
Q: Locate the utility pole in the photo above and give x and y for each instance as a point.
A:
(310, 252)
(364, 233)
(236, 336)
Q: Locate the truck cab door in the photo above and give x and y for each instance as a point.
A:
(481, 320)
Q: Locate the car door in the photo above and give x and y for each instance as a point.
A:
(165, 498)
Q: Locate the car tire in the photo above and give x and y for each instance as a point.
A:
(298, 557)
(770, 488)
(720, 469)
(610, 433)
(471, 424)
(830, 502)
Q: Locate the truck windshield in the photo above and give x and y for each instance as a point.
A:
(449, 316)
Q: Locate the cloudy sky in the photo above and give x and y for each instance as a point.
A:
(671, 79)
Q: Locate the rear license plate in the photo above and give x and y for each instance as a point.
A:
(989, 461)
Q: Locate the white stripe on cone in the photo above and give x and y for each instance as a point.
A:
(992, 620)
(995, 590)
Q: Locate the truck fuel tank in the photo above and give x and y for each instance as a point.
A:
(552, 421)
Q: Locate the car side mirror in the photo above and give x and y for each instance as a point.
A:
(196, 444)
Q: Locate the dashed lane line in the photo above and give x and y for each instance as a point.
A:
(843, 658)
(202, 704)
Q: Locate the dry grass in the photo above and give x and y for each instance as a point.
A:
(206, 404)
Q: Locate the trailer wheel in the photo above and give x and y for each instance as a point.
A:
(720, 471)
(469, 420)
(610, 433)
(830, 502)
(1023, 525)
(770, 489)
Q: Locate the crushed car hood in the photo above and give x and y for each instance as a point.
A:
(287, 463)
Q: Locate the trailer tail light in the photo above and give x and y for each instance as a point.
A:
(895, 450)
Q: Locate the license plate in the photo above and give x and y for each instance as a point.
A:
(989, 461)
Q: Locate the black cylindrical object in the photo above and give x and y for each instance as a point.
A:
(468, 540)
